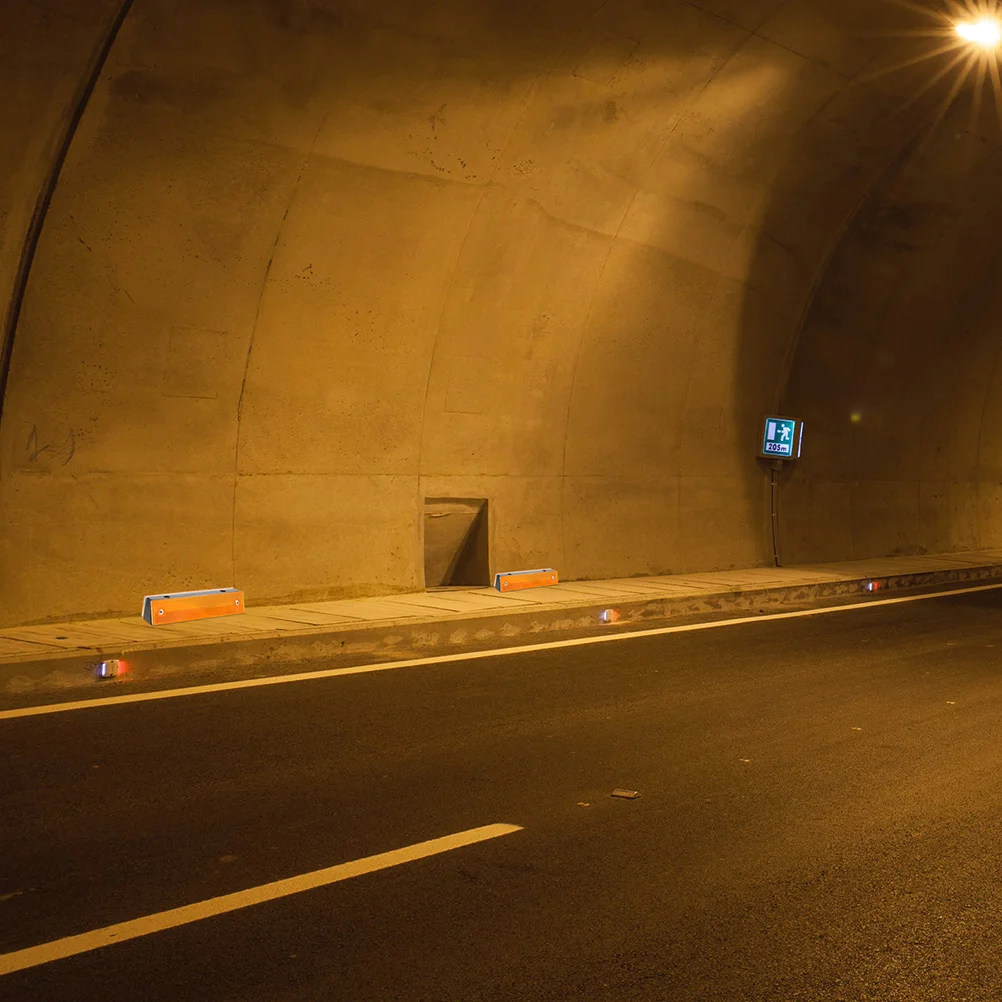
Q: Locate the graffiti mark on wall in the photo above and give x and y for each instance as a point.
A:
(57, 453)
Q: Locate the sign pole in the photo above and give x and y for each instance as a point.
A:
(781, 442)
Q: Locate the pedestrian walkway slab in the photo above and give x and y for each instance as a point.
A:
(18, 650)
(483, 612)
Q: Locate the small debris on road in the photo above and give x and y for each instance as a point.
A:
(582, 803)
(857, 728)
(625, 794)
(744, 759)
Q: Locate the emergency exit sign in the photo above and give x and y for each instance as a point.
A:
(782, 437)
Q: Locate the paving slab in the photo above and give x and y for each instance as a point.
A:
(325, 611)
(16, 650)
(692, 584)
(438, 602)
(362, 609)
(71, 636)
(554, 594)
(303, 617)
(262, 622)
(462, 602)
(627, 585)
(233, 626)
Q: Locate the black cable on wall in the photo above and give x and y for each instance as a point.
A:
(774, 498)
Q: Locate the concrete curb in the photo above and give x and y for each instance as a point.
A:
(174, 662)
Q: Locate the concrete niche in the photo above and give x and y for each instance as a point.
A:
(456, 548)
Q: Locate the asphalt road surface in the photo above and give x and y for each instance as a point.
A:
(819, 819)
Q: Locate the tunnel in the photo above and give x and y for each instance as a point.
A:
(284, 279)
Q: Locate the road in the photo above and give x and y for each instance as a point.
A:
(819, 819)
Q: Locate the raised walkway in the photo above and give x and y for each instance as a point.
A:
(282, 638)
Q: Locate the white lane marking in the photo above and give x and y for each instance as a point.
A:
(552, 645)
(58, 949)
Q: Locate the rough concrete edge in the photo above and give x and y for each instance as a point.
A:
(161, 641)
(349, 644)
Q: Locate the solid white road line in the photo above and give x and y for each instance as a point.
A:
(253, 683)
(72, 945)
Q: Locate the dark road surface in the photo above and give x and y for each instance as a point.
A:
(819, 819)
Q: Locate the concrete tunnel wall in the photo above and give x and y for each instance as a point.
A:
(45, 50)
(897, 369)
(310, 263)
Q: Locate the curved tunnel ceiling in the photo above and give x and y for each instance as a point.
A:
(309, 264)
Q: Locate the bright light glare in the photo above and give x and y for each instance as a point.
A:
(987, 32)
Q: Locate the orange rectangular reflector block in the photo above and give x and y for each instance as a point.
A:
(516, 580)
(181, 607)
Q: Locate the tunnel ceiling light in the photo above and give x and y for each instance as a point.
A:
(986, 32)
(962, 50)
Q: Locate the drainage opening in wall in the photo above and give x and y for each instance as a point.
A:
(455, 542)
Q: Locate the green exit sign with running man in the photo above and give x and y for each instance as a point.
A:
(782, 438)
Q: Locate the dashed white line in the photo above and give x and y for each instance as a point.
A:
(70, 946)
(253, 683)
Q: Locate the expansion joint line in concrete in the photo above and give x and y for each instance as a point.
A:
(33, 235)
(250, 346)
